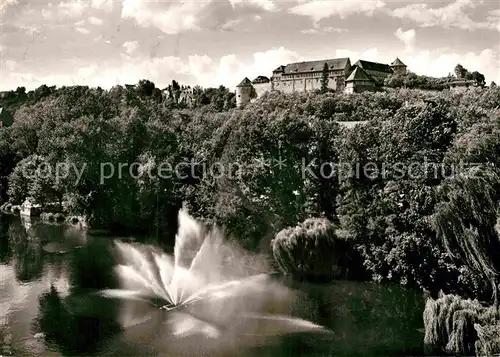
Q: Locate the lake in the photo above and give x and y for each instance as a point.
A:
(49, 276)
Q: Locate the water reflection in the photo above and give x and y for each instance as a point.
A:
(70, 333)
(50, 275)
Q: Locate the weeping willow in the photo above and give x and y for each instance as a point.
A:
(488, 343)
(308, 250)
(465, 220)
(460, 327)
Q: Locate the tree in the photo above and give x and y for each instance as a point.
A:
(324, 78)
(460, 71)
(465, 220)
(145, 87)
(479, 78)
(493, 84)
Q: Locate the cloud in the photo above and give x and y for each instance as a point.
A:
(30, 30)
(4, 4)
(173, 17)
(71, 8)
(196, 69)
(333, 29)
(440, 62)
(452, 15)
(407, 37)
(230, 69)
(130, 46)
(266, 5)
(105, 5)
(95, 21)
(435, 63)
(9, 64)
(310, 31)
(82, 30)
(326, 29)
(322, 9)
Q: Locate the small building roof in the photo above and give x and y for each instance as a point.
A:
(245, 83)
(358, 75)
(317, 66)
(261, 79)
(462, 82)
(397, 63)
(373, 66)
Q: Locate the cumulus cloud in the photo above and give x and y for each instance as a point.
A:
(435, 63)
(321, 9)
(95, 21)
(407, 37)
(106, 5)
(178, 16)
(266, 5)
(130, 46)
(230, 69)
(10, 65)
(71, 8)
(4, 4)
(453, 15)
(202, 70)
(82, 30)
(441, 62)
(327, 29)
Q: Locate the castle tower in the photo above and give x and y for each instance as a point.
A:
(358, 81)
(398, 67)
(261, 84)
(244, 92)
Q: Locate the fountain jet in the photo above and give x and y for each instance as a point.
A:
(218, 285)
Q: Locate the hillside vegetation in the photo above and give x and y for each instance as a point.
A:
(278, 158)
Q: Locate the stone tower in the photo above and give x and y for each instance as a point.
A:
(398, 67)
(244, 92)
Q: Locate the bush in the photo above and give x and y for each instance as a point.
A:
(311, 251)
(47, 216)
(73, 219)
(488, 343)
(454, 325)
(59, 217)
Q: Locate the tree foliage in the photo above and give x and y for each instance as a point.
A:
(386, 217)
(310, 251)
(324, 78)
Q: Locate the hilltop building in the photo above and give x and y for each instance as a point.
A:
(460, 85)
(307, 76)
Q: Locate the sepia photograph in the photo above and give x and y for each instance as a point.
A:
(249, 178)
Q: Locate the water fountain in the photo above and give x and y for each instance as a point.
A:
(209, 287)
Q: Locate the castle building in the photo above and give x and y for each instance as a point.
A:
(307, 76)
(461, 85)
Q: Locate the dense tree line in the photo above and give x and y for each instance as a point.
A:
(272, 154)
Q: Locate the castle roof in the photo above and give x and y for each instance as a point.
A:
(316, 66)
(245, 83)
(279, 69)
(358, 75)
(260, 79)
(373, 66)
(397, 63)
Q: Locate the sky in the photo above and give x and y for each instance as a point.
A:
(219, 42)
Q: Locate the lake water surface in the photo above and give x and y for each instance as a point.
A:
(49, 276)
